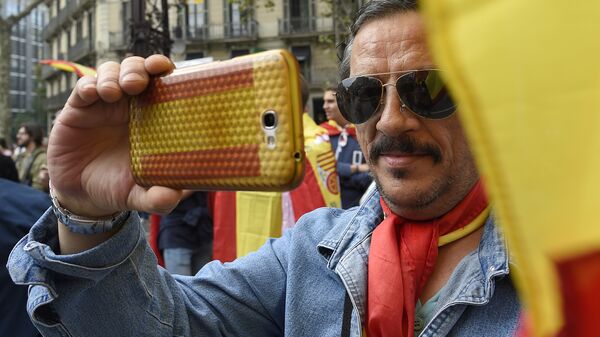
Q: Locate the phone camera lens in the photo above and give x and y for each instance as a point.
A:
(269, 119)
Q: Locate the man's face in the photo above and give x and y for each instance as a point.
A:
(23, 138)
(331, 108)
(423, 167)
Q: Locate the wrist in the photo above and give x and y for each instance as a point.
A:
(85, 224)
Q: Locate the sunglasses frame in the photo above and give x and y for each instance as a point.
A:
(402, 73)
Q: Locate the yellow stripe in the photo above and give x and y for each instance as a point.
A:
(178, 125)
(468, 229)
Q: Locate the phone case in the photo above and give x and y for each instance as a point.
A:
(227, 125)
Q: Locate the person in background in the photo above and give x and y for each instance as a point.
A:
(31, 161)
(8, 170)
(20, 206)
(352, 169)
(186, 234)
(4, 149)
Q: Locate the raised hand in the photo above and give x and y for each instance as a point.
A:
(88, 149)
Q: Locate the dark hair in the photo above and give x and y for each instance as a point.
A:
(304, 91)
(330, 88)
(374, 9)
(34, 131)
(3, 143)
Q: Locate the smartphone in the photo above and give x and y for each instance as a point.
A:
(226, 125)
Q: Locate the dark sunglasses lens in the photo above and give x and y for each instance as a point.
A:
(358, 98)
(425, 94)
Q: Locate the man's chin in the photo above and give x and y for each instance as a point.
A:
(402, 193)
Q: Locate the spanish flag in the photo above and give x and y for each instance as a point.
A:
(79, 69)
(526, 76)
(243, 221)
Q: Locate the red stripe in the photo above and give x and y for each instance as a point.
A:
(199, 83)
(580, 290)
(229, 162)
(224, 218)
(325, 155)
(307, 196)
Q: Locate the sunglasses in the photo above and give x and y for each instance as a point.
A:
(421, 91)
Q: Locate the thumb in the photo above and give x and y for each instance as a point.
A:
(156, 199)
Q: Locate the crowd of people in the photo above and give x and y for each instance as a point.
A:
(420, 255)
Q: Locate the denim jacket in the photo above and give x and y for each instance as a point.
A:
(293, 286)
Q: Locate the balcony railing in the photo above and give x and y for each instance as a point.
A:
(306, 25)
(80, 50)
(240, 31)
(198, 33)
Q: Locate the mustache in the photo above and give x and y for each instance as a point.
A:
(404, 144)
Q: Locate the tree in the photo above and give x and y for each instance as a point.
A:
(6, 25)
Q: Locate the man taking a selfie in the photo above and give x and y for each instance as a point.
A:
(421, 256)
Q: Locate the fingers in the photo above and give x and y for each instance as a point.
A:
(134, 77)
(84, 92)
(113, 80)
(105, 86)
(107, 83)
(159, 65)
(156, 199)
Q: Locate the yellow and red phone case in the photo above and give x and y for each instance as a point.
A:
(200, 127)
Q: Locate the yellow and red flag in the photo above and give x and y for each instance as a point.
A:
(526, 78)
(69, 66)
(260, 215)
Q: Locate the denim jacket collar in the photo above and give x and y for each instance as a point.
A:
(346, 235)
(345, 248)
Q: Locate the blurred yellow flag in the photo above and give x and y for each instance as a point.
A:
(526, 75)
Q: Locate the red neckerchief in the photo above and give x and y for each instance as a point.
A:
(333, 129)
(401, 258)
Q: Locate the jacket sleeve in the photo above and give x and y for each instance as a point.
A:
(117, 289)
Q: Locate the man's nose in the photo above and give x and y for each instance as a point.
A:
(395, 118)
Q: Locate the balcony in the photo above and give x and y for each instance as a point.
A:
(80, 50)
(50, 28)
(72, 9)
(240, 31)
(305, 26)
(58, 101)
(198, 34)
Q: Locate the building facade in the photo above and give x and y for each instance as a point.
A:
(90, 32)
(26, 48)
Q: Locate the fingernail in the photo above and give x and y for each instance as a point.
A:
(133, 77)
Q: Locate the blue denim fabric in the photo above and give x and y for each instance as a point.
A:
(186, 261)
(292, 286)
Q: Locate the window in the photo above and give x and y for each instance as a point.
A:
(79, 30)
(196, 55)
(299, 15)
(197, 20)
(239, 52)
(239, 19)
